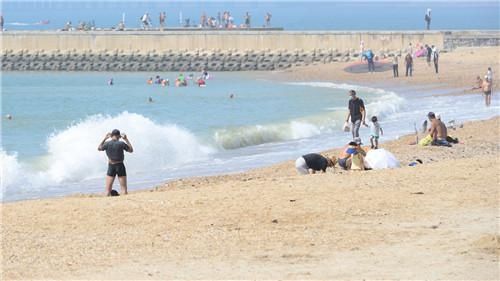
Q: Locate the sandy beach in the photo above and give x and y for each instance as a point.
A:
(438, 220)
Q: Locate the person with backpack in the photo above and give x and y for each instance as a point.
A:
(435, 58)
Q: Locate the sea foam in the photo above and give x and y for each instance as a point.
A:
(72, 153)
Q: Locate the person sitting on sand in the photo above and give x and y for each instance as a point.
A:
(114, 150)
(438, 131)
(353, 148)
(479, 83)
(314, 162)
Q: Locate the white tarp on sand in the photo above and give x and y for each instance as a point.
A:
(381, 159)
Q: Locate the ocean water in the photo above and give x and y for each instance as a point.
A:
(49, 148)
(291, 15)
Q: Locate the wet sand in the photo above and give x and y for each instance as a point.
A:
(438, 220)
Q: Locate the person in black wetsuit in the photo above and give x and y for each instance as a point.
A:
(114, 150)
(314, 162)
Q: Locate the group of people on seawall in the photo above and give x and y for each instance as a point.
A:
(223, 20)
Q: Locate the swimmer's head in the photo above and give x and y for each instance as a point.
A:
(374, 119)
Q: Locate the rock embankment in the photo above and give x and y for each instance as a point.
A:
(170, 60)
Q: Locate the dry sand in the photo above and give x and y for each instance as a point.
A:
(438, 220)
(457, 70)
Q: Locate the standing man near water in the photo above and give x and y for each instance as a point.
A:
(114, 150)
(357, 113)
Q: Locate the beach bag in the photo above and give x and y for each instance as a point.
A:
(346, 127)
(377, 159)
(426, 141)
(357, 162)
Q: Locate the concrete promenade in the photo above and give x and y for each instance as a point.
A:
(214, 49)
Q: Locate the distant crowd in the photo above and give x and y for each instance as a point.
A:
(223, 20)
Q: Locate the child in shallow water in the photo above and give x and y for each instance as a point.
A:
(375, 131)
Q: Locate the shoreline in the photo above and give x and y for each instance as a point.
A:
(438, 220)
(268, 221)
(363, 79)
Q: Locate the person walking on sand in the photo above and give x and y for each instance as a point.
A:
(312, 163)
(435, 58)
(369, 58)
(395, 67)
(409, 64)
(114, 150)
(487, 86)
(428, 50)
(375, 131)
(428, 19)
(357, 113)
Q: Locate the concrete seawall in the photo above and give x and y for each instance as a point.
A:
(214, 50)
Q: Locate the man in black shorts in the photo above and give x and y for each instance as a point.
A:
(114, 150)
(357, 113)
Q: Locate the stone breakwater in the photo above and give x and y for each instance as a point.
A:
(214, 50)
(171, 60)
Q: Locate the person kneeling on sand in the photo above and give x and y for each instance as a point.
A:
(438, 131)
(314, 162)
(352, 156)
(114, 150)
